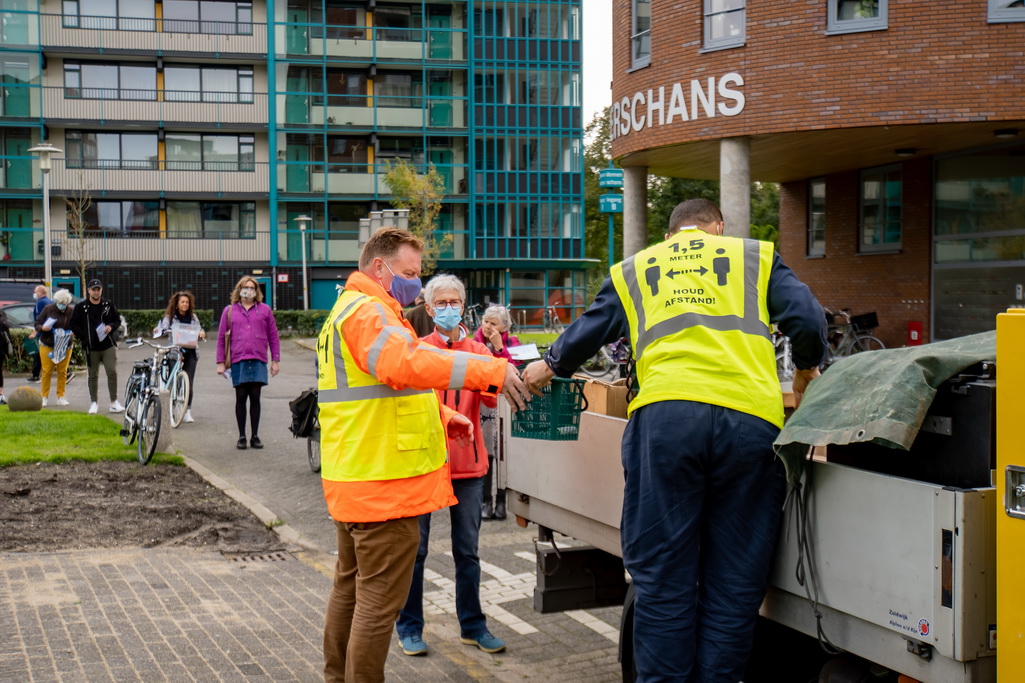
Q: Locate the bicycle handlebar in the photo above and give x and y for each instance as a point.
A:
(139, 341)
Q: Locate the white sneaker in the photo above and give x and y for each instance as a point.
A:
(61, 401)
(116, 407)
(45, 402)
(93, 408)
(3, 399)
(187, 418)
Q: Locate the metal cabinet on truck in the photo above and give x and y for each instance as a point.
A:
(905, 567)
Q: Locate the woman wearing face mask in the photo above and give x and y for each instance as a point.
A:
(53, 326)
(253, 331)
(444, 297)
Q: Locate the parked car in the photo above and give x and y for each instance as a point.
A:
(17, 291)
(19, 315)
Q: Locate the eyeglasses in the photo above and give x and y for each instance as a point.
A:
(440, 305)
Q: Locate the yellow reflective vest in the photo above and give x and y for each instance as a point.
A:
(697, 309)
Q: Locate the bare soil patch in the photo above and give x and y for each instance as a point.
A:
(78, 505)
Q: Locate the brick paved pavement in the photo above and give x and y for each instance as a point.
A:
(183, 615)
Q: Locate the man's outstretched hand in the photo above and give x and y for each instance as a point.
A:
(514, 390)
(801, 380)
(537, 375)
(460, 429)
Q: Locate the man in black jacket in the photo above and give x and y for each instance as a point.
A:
(95, 321)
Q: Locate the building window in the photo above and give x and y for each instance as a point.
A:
(208, 84)
(96, 81)
(880, 216)
(123, 218)
(199, 152)
(399, 89)
(129, 151)
(211, 219)
(640, 41)
(724, 23)
(110, 15)
(208, 16)
(849, 16)
(343, 154)
(1006, 10)
(817, 217)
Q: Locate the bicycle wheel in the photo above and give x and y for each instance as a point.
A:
(866, 342)
(149, 429)
(129, 427)
(784, 364)
(313, 449)
(557, 326)
(179, 398)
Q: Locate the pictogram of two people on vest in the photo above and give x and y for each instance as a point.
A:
(720, 266)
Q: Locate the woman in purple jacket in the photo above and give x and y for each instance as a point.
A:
(253, 330)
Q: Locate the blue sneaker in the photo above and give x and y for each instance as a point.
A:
(485, 641)
(413, 646)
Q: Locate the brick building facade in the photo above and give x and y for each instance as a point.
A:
(912, 122)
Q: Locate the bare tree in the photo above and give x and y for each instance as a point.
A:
(79, 245)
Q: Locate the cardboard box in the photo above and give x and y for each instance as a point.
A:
(606, 399)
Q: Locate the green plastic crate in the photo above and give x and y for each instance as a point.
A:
(555, 414)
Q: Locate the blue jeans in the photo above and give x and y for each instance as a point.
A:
(701, 514)
(465, 533)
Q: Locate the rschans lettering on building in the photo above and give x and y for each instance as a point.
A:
(674, 104)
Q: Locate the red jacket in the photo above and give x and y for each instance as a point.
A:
(465, 462)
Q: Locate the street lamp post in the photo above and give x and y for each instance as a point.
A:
(302, 221)
(44, 150)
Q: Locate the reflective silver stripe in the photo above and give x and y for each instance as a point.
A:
(459, 367)
(364, 393)
(346, 393)
(750, 323)
(382, 339)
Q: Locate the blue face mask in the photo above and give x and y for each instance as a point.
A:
(61, 307)
(405, 290)
(447, 318)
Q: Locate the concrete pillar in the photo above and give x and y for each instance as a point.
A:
(635, 209)
(735, 185)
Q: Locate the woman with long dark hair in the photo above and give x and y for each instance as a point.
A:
(181, 310)
(248, 327)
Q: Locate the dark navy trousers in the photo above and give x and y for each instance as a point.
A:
(701, 515)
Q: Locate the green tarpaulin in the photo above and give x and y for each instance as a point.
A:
(878, 396)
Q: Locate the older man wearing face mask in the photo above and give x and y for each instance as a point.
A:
(383, 446)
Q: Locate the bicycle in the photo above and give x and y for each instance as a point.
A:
(472, 317)
(552, 322)
(142, 401)
(174, 378)
(785, 368)
(848, 336)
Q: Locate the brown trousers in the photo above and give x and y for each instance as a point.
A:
(372, 578)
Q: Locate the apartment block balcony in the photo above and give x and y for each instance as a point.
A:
(157, 247)
(91, 106)
(161, 178)
(380, 111)
(126, 35)
(373, 44)
(355, 178)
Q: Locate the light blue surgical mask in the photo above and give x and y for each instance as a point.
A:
(35, 297)
(61, 307)
(447, 318)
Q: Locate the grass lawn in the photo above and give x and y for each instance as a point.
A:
(59, 436)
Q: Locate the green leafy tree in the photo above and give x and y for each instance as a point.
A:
(421, 195)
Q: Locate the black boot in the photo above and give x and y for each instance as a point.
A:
(499, 505)
(486, 510)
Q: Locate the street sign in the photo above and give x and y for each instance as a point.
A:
(610, 203)
(610, 177)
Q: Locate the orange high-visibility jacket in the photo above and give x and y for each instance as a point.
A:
(382, 455)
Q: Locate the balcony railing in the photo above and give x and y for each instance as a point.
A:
(160, 178)
(25, 246)
(155, 106)
(163, 36)
(374, 43)
(392, 111)
(355, 178)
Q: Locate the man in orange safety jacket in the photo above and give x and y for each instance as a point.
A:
(383, 445)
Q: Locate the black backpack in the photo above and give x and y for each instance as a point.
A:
(304, 414)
